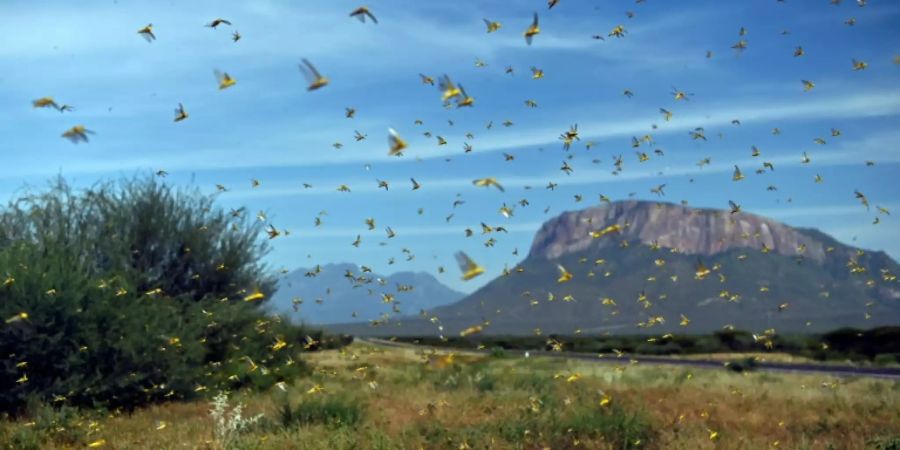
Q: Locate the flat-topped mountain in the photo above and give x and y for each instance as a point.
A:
(692, 231)
(649, 267)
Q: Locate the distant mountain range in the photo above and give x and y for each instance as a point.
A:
(345, 293)
(662, 267)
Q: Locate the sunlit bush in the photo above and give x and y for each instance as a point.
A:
(133, 292)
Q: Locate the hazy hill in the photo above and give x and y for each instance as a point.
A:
(338, 291)
(762, 274)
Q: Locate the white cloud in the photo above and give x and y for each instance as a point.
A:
(880, 147)
(405, 231)
(264, 153)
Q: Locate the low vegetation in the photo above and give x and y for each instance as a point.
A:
(880, 346)
(365, 397)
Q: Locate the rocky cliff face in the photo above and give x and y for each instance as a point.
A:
(689, 230)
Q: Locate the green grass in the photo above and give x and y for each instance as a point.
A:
(337, 410)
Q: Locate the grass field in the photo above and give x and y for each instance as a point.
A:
(364, 397)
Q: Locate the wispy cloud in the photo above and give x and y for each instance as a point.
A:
(278, 147)
(268, 127)
(407, 231)
(880, 147)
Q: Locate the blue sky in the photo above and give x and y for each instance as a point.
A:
(268, 127)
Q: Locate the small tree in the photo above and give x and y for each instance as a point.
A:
(132, 292)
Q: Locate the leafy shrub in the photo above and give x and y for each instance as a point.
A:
(742, 365)
(665, 348)
(865, 344)
(22, 438)
(132, 292)
(735, 340)
(64, 425)
(887, 443)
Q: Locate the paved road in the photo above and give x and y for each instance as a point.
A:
(892, 373)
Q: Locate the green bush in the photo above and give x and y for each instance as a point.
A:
(887, 443)
(22, 438)
(65, 426)
(743, 365)
(884, 359)
(134, 293)
(665, 348)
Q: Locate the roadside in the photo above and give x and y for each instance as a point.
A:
(842, 370)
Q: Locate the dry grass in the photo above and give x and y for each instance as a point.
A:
(473, 401)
